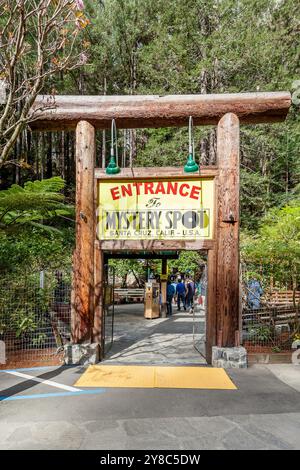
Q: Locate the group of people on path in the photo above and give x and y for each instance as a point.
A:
(183, 292)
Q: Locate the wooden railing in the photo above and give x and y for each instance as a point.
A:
(277, 315)
(129, 295)
(279, 298)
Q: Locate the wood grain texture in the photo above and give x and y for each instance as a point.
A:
(155, 245)
(157, 172)
(82, 309)
(227, 266)
(157, 111)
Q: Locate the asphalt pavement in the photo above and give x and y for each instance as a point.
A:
(41, 409)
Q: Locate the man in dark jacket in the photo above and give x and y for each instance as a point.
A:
(170, 294)
(180, 292)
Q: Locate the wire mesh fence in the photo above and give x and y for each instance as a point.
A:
(270, 315)
(35, 311)
(270, 329)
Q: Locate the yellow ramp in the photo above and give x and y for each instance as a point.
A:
(155, 377)
(193, 377)
(117, 376)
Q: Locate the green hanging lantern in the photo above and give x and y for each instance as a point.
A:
(113, 168)
(191, 166)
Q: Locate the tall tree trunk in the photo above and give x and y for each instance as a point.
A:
(212, 147)
(67, 158)
(123, 163)
(103, 159)
(42, 171)
(29, 156)
(103, 163)
(132, 149)
(204, 151)
(49, 172)
(62, 155)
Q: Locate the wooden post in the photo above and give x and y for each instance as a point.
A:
(82, 309)
(227, 267)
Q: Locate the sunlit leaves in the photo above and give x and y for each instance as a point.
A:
(35, 201)
(277, 243)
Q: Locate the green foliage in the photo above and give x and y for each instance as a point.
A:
(123, 267)
(23, 304)
(173, 47)
(33, 228)
(255, 198)
(277, 243)
(36, 202)
(188, 262)
(262, 333)
(200, 46)
(35, 249)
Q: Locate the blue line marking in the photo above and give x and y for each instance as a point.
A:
(48, 395)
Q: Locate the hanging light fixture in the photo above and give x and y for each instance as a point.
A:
(113, 168)
(191, 166)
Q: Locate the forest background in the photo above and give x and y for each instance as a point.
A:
(150, 47)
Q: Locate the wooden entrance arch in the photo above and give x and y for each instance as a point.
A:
(85, 114)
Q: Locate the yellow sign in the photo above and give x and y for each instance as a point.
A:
(169, 209)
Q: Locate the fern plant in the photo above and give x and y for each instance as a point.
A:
(34, 204)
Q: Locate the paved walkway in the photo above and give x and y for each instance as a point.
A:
(160, 341)
(263, 413)
(41, 408)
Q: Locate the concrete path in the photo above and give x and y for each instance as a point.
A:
(263, 413)
(287, 373)
(160, 341)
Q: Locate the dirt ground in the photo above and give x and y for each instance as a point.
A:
(32, 358)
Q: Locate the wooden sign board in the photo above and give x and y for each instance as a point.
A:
(156, 209)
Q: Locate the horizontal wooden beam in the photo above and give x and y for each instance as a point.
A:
(140, 111)
(155, 245)
(157, 172)
(142, 255)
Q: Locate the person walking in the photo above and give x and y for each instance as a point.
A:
(180, 292)
(173, 282)
(170, 294)
(190, 292)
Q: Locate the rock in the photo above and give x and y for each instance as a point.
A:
(81, 354)
(229, 358)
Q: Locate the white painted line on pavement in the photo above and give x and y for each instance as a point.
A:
(46, 382)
